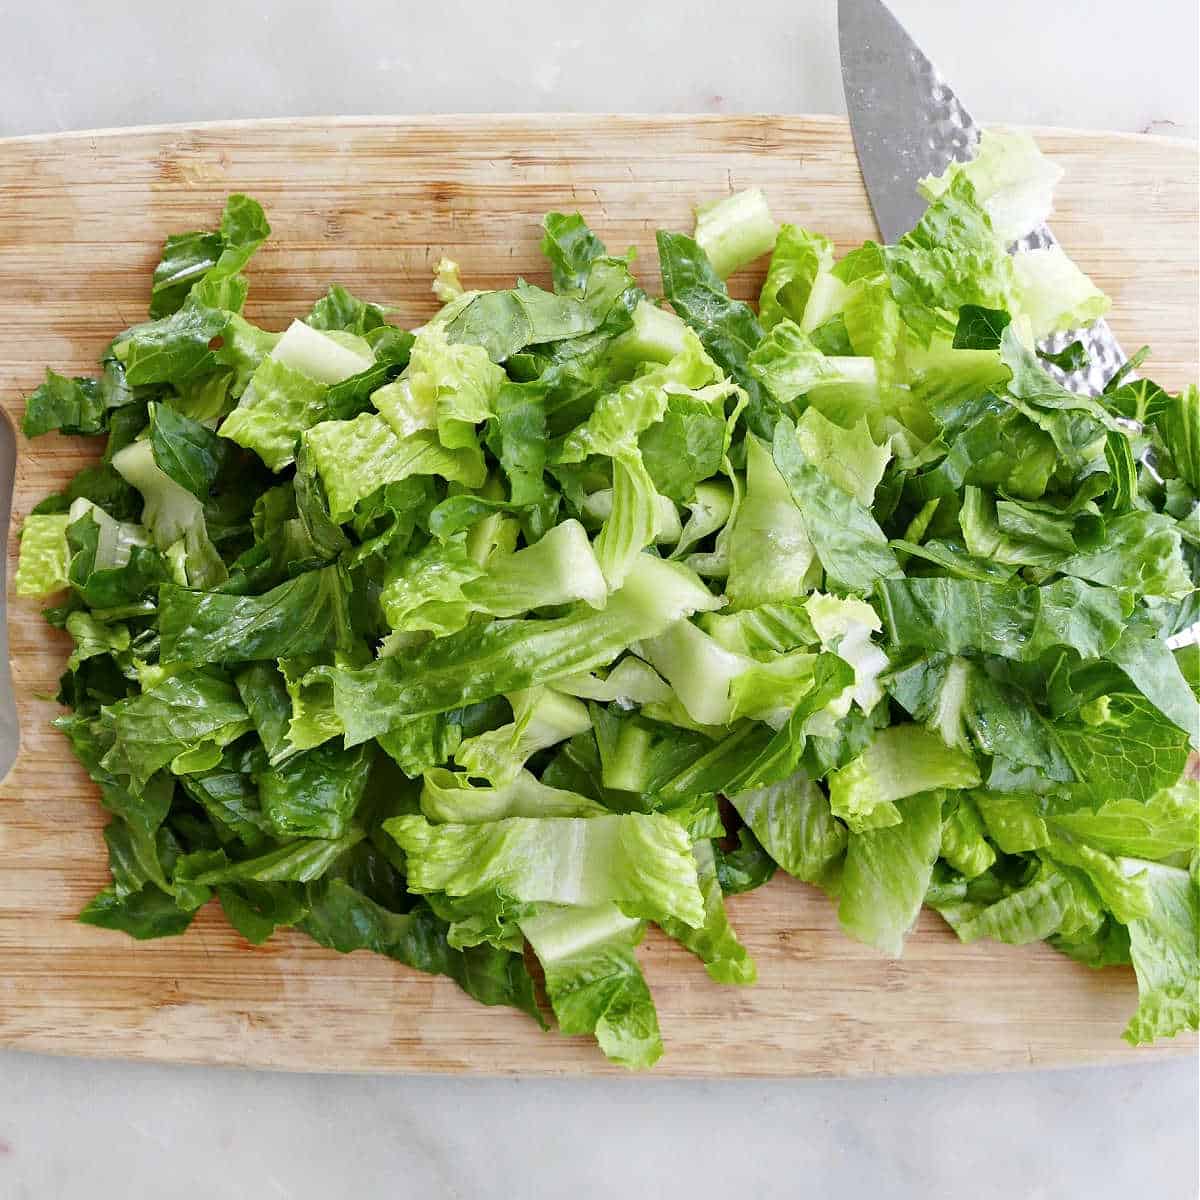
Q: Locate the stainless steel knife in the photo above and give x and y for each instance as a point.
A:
(908, 123)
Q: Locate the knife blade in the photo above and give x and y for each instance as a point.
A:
(907, 123)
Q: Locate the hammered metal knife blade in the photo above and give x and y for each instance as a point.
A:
(908, 123)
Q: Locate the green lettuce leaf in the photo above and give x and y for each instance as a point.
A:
(1019, 623)
(642, 862)
(212, 259)
(900, 761)
(851, 547)
(316, 793)
(338, 309)
(354, 458)
(1163, 825)
(148, 913)
(305, 615)
(174, 348)
(541, 718)
(193, 709)
(800, 258)
(277, 406)
(848, 457)
(1164, 948)
(771, 558)
(1012, 181)
(344, 919)
(173, 515)
(593, 979)
(506, 656)
(728, 328)
(714, 942)
(793, 822)
(70, 405)
(447, 797)
(887, 873)
(44, 555)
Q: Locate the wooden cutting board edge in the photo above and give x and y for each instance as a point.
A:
(393, 120)
(188, 1018)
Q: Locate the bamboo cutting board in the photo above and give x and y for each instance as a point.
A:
(373, 204)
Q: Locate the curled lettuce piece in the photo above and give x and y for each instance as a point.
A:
(542, 718)
(447, 797)
(887, 873)
(173, 515)
(450, 387)
(800, 260)
(641, 861)
(506, 656)
(714, 942)
(900, 761)
(438, 588)
(1012, 180)
(844, 626)
(210, 261)
(593, 979)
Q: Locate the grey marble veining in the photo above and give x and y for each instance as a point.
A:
(72, 1129)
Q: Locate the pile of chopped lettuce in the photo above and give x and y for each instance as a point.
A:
(576, 610)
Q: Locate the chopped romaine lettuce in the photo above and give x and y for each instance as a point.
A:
(574, 610)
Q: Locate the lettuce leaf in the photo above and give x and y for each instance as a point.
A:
(305, 615)
(849, 544)
(643, 862)
(714, 942)
(793, 822)
(44, 555)
(900, 761)
(887, 873)
(1164, 948)
(593, 979)
(354, 458)
(506, 656)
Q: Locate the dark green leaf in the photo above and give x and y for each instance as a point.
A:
(315, 793)
(980, 328)
(150, 913)
(190, 453)
(338, 309)
(344, 919)
(1072, 357)
(728, 328)
(571, 248)
(69, 405)
(305, 615)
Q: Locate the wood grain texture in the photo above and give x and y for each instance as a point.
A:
(373, 204)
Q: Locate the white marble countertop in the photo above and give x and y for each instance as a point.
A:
(72, 1128)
